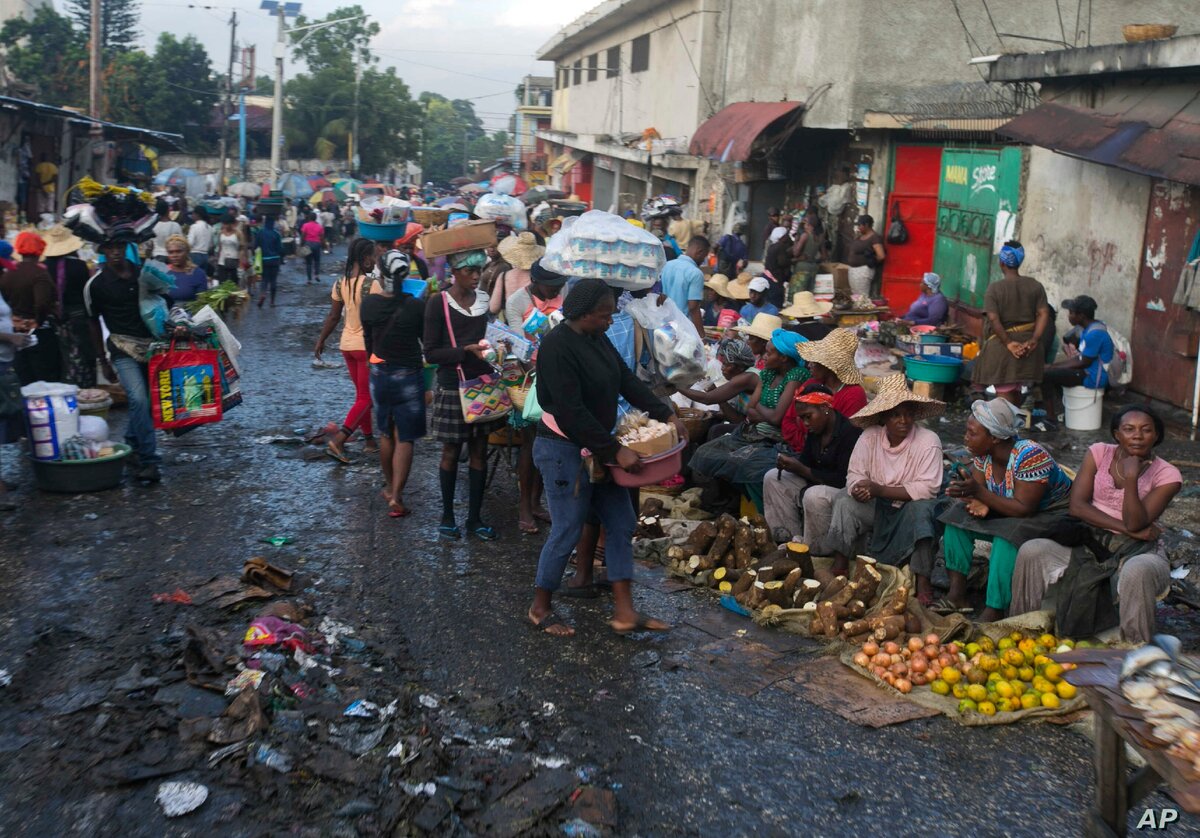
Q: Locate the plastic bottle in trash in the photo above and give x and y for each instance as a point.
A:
(278, 760)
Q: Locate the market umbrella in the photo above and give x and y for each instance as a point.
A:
(319, 182)
(509, 184)
(175, 176)
(542, 193)
(324, 195)
(294, 185)
(244, 189)
(348, 185)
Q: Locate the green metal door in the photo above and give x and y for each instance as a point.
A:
(977, 205)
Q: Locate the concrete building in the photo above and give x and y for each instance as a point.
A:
(530, 117)
(1111, 197)
(736, 107)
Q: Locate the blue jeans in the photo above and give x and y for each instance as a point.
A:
(570, 496)
(270, 277)
(139, 433)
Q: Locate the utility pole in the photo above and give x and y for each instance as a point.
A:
(226, 106)
(355, 158)
(277, 110)
(97, 133)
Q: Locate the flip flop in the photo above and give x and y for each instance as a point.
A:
(579, 591)
(340, 456)
(945, 606)
(402, 512)
(483, 532)
(449, 532)
(528, 528)
(642, 624)
(548, 622)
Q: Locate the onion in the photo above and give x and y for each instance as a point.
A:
(879, 671)
(952, 648)
(870, 648)
(898, 669)
(919, 679)
(891, 647)
(919, 664)
(946, 659)
(904, 685)
(932, 639)
(889, 678)
(931, 652)
(895, 658)
(915, 644)
(862, 659)
(882, 659)
(935, 669)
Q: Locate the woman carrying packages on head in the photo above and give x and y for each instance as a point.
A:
(1017, 318)
(580, 376)
(455, 322)
(745, 456)
(393, 322)
(889, 507)
(520, 251)
(538, 302)
(1120, 492)
(1013, 492)
(346, 298)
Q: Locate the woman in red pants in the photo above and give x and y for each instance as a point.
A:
(347, 296)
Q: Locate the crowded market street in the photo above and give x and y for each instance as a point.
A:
(685, 747)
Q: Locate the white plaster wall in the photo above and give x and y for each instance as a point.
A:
(1083, 226)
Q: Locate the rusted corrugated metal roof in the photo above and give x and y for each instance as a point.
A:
(729, 135)
(1151, 129)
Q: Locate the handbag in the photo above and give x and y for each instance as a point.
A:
(531, 410)
(304, 251)
(483, 399)
(185, 387)
(897, 233)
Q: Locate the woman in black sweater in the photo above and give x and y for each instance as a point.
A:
(579, 377)
(465, 308)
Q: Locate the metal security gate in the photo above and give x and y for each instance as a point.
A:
(916, 171)
(977, 206)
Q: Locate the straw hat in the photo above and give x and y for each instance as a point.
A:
(763, 325)
(521, 250)
(718, 283)
(739, 289)
(60, 241)
(835, 351)
(804, 304)
(894, 392)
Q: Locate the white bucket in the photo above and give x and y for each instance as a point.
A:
(1083, 407)
(53, 417)
(823, 284)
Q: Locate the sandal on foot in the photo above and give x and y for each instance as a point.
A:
(340, 456)
(483, 532)
(528, 527)
(549, 622)
(450, 532)
(370, 446)
(945, 606)
(642, 624)
(397, 510)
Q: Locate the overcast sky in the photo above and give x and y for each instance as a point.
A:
(478, 49)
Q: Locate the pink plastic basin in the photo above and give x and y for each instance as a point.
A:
(654, 469)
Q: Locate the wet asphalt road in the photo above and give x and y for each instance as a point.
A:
(687, 753)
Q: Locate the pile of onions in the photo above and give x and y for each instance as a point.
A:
(915, 663)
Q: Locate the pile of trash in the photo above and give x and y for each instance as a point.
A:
(260, 711)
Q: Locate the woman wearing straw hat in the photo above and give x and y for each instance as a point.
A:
(892, 484)
(520, 251)
(70, 274)
(719, 309)
(1025, 498)
(805, 307)
(744, 456)
(758, 334)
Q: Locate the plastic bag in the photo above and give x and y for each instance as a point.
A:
(503, 209)
(185, 388)
(153, 281)
(605, 246)
(675, 345)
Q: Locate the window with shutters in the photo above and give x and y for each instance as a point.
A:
(639, 59)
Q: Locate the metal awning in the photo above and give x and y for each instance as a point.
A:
(729, 135)
(1152, 129)
(116, 131)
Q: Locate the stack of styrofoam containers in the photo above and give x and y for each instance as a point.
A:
(53, 416)
(605, 246)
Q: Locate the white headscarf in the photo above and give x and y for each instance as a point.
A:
(777, 234)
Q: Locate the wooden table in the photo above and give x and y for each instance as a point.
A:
(1117, 723)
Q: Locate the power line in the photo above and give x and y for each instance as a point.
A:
(1061, 29)
(992, 22)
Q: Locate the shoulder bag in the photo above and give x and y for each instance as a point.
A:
(483, 399)
(897, 233)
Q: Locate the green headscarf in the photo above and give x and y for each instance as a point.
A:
(467, 259)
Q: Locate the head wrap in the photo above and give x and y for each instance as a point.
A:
(395, 265)
(815, 398)
(411, 230)
(777, 234)
(933, 281)
(1012, 257)
(737, 352)
(30, 244)
(785, 342)
(467, 259)
(584, 298)
(997, 417)
(541, 275)
(6, 249)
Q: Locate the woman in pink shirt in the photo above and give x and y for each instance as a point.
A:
(313, 236)
(1120, 493)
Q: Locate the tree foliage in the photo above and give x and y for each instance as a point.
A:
(118, 23)
(452, 135)
(337, 45)
(50, 54)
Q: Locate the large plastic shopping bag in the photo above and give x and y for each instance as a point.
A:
(185, 387)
